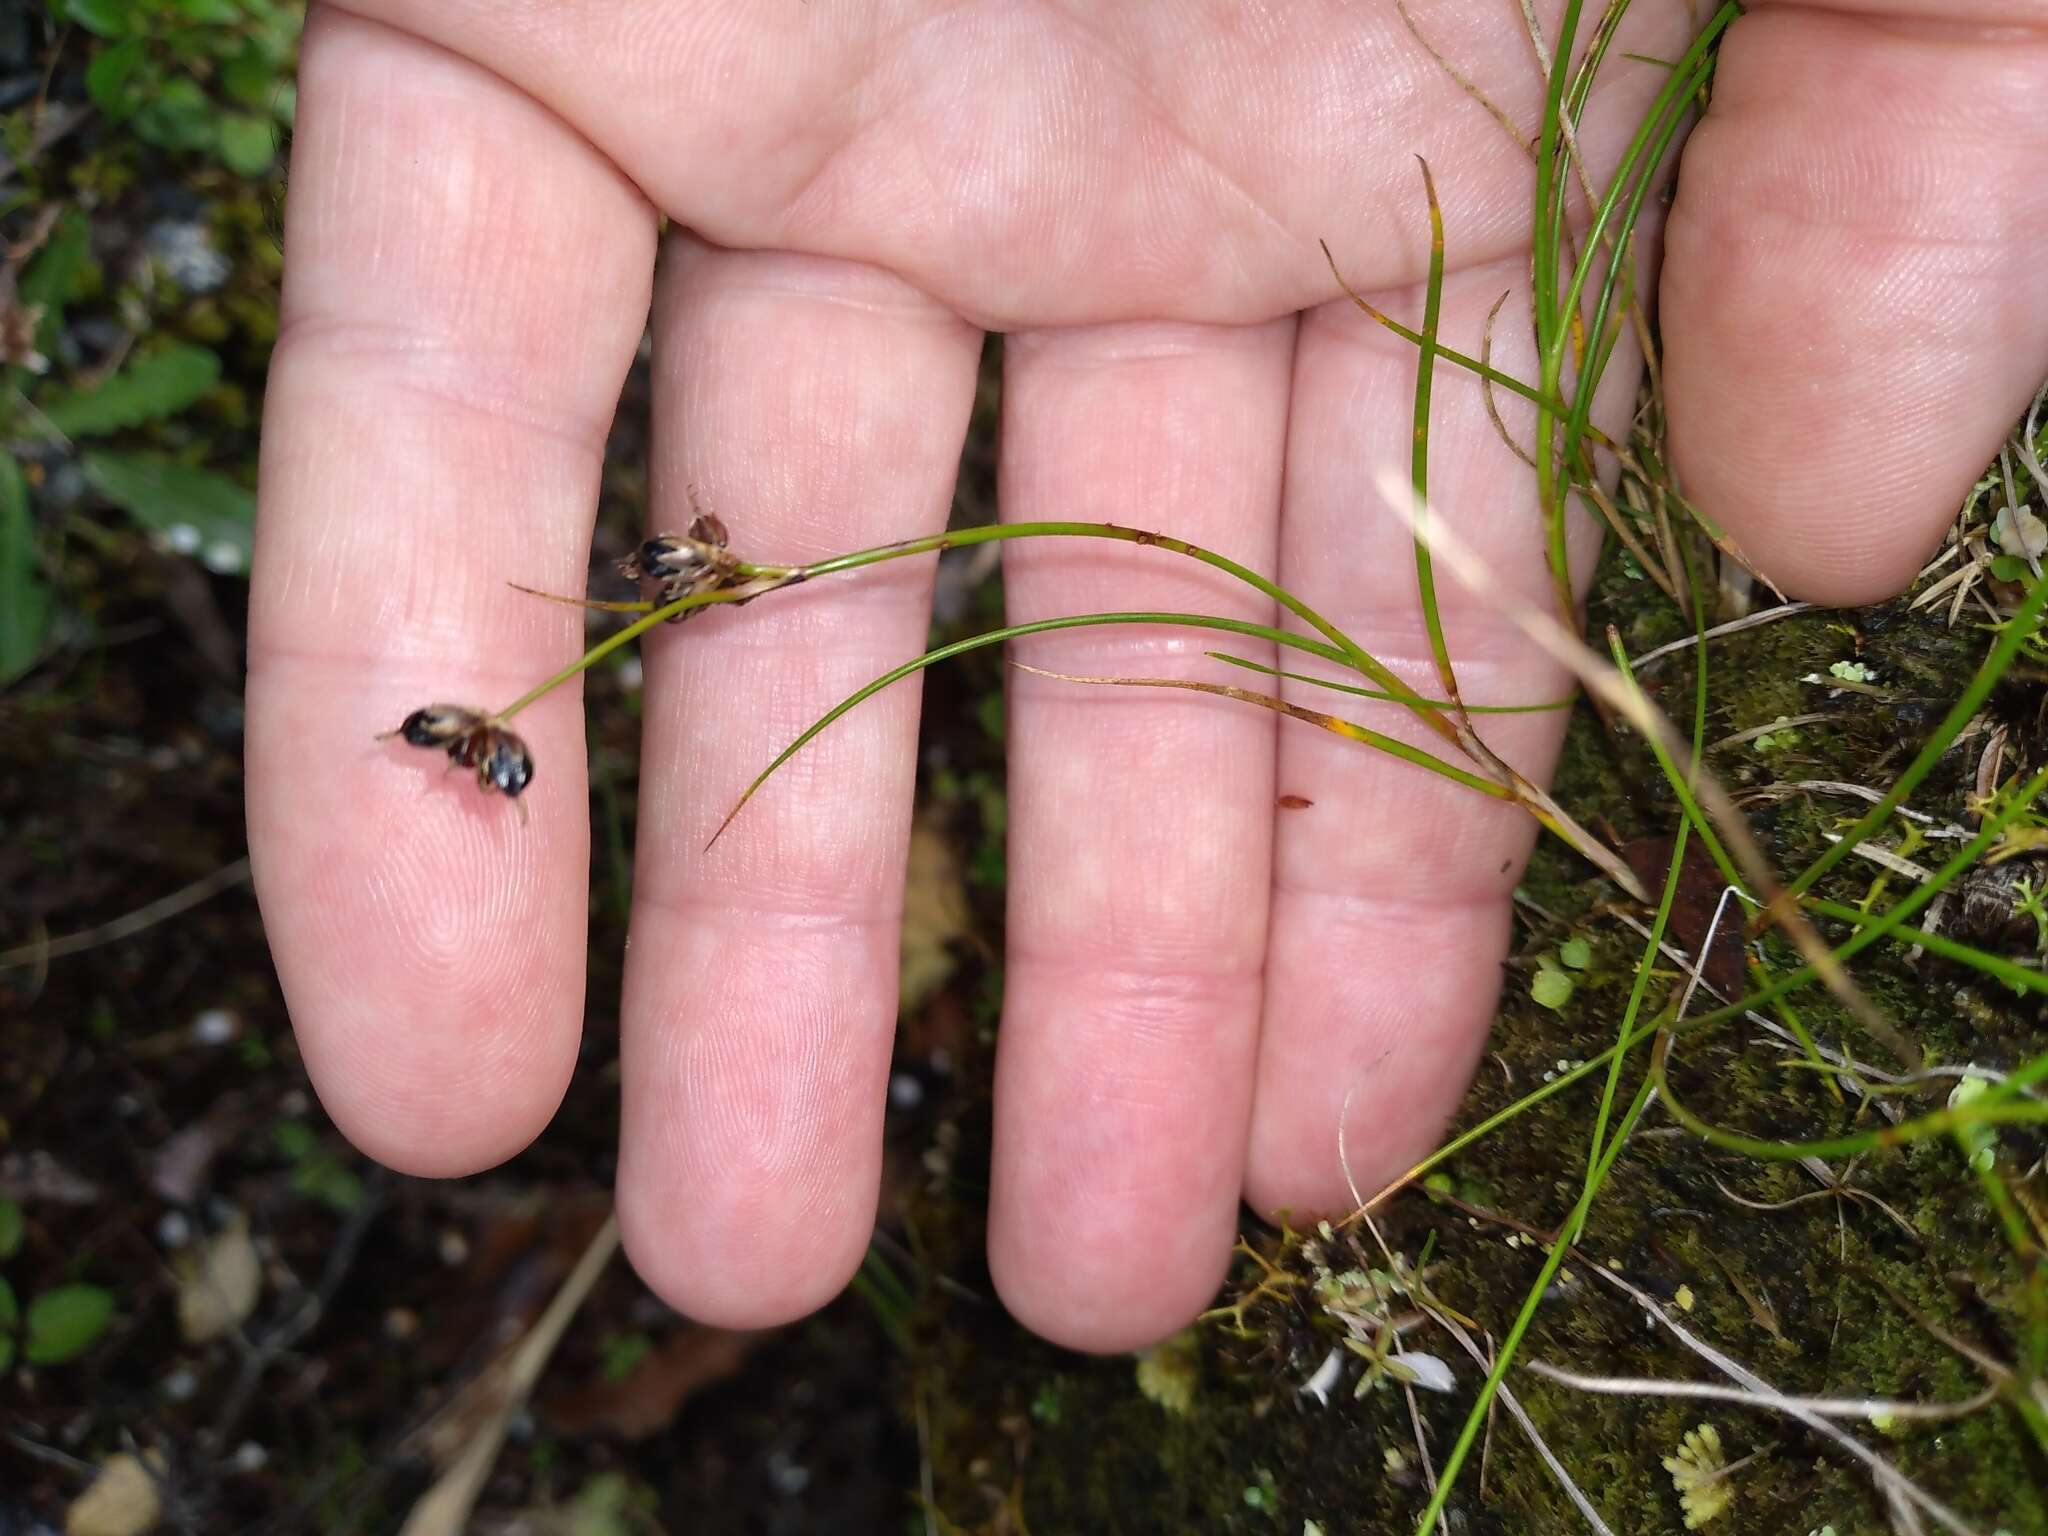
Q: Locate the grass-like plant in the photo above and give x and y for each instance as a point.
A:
(1583, 304)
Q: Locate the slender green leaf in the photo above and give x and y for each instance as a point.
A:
(148, 389)
(25, 600)
(2017, 631)
(1425, 371)
(62, 1324)
(177, 117)
(1075, 621)
(1548, 706)
(198, 511)
(11, 1226)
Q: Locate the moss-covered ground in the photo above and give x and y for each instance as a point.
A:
(1833, 1295)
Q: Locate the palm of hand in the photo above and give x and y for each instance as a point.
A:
(1198, 986)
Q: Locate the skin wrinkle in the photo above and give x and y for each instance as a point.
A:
(1124, 248)
(1199, 154)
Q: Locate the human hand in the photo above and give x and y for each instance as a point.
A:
(1854, 307)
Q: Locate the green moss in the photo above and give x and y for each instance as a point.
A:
(1803, 1295)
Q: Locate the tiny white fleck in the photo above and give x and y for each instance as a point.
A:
(216, 1026)
(173, 1229)
(183, 538)
(250, 1457)
(788, 1476)
(630, 674)
(905, 1091)
(1325, 1377)
(222, 557)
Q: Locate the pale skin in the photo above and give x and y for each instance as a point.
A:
(1854, 305)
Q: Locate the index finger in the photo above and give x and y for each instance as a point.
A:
(467, 279)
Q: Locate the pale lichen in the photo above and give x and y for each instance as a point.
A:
(1699, 1473)
(1170, 1370)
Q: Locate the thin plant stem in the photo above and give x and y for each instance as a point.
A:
(1940, 1122)
(1425, 370)
(2017, 631)
(1549, 706)
(931, 658)
(1599, 1157)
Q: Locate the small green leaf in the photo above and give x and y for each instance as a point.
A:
(247, 143)
(620, 1354)
(177, 117)
(1575, 953)
(11, 1228)
(324, 1178)
(62, 1324)
(110, 80)
(53, 278)
(1550, 989)
(148, 389)
(294, 1139)
(2008, 567)
(25, 601)
(198, 511)
(107, 18)
(220, 13)
(251, 76)
(10, 1309)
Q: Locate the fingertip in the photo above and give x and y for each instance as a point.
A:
(427, 935)
(1109, 1286)
(1852, 309)
(741, 1252)
(1362, 1067)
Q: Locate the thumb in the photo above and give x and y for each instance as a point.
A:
(1854, 298)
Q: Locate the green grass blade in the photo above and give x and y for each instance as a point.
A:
(933, 657)
(1940, 1122)
(1425, 370)
(2018, 630)
(1600, 1153)
(1557, 315)
(1337, 725)
(1548, 707)
(1877, 928)
(1681, 783)
(2018, 977)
